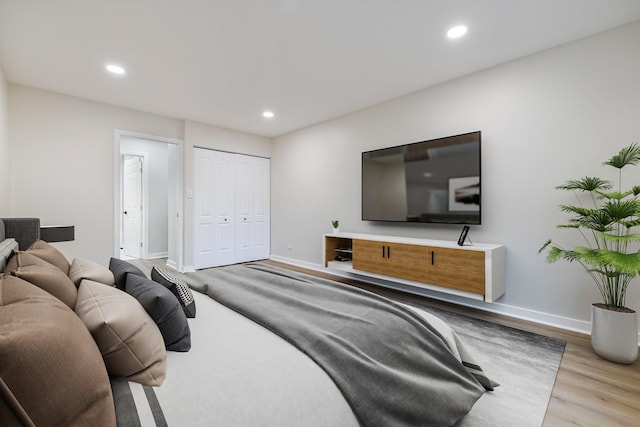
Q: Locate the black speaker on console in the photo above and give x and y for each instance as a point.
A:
(463, 235)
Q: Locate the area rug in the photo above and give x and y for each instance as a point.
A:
(523, 363)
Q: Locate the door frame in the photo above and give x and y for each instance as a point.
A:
(145, 198)
(179, 201)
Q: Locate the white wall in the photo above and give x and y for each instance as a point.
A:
(157, 174)
(62, 155)
(547, 118)
(205, 136)
(5, 164)
(62, 148)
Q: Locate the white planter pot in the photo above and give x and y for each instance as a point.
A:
(614, 334)
(336, 230)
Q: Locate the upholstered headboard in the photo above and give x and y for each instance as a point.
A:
(16, 233)
(24, 230)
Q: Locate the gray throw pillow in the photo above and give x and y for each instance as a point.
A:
(164, 309)
(121, 269)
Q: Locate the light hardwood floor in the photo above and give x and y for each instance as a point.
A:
(589, 391)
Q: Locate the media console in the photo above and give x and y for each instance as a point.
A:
(476, 271)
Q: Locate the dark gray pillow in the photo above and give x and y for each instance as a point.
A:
(121, 269)
(164, 309)
(179, 288)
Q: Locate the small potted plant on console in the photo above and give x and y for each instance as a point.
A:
(336, 226)
(608, 218)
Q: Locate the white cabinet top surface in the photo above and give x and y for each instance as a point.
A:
(416, 241)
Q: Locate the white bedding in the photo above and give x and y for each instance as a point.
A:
(238, 373)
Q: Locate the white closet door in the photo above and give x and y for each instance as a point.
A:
(252, 208)
(214, 204)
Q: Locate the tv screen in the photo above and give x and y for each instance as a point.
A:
(435, 181)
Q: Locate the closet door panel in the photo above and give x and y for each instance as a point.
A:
(261, 217)
(244, 209)
(232, 203)
(224, 199)
(252, 186)
(204, 208)
(214, 203)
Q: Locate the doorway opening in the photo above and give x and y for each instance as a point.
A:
(148, 204)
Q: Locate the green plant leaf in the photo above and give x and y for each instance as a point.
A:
(578, 210)
(633, 237)
(615, 195)
(630, 224)
(587, 183)
(610, 223)
(568, 226)
(619, 210)
(622, 262)
(554, 254)
(544, 246)
(627, 156)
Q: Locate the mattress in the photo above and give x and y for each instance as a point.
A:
(238, 373)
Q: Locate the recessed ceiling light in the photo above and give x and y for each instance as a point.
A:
(457, 31)
(115, 69)
(267, 114)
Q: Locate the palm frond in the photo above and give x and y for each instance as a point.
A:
(614, 195)
(627, 156)
(619, 210)
(586, 184)
(612, 237)
(633, 223)
(608, 260)
(578, 210)
(555, 253)
(607, 228)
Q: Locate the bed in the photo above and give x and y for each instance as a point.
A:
(225, 366)
(239, 372)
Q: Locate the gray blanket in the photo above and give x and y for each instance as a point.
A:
(393, 367)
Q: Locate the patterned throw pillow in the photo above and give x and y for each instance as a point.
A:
(179, 288)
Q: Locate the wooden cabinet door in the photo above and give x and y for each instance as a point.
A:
(409, 262)
(458, 269)
(369, 255)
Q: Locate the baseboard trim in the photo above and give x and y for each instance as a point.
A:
(542, 318)
(188, 269)
(157, 255)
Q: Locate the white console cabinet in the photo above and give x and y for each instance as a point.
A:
(474, 271)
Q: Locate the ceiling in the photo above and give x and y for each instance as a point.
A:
(223, 62)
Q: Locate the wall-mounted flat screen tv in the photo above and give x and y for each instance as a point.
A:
(435, 181)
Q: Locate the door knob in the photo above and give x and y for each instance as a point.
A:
(124, 212)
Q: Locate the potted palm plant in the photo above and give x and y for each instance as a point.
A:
(608, 220)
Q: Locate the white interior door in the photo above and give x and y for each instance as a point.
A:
(214, 203)
(252, 208)
(132, 206)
